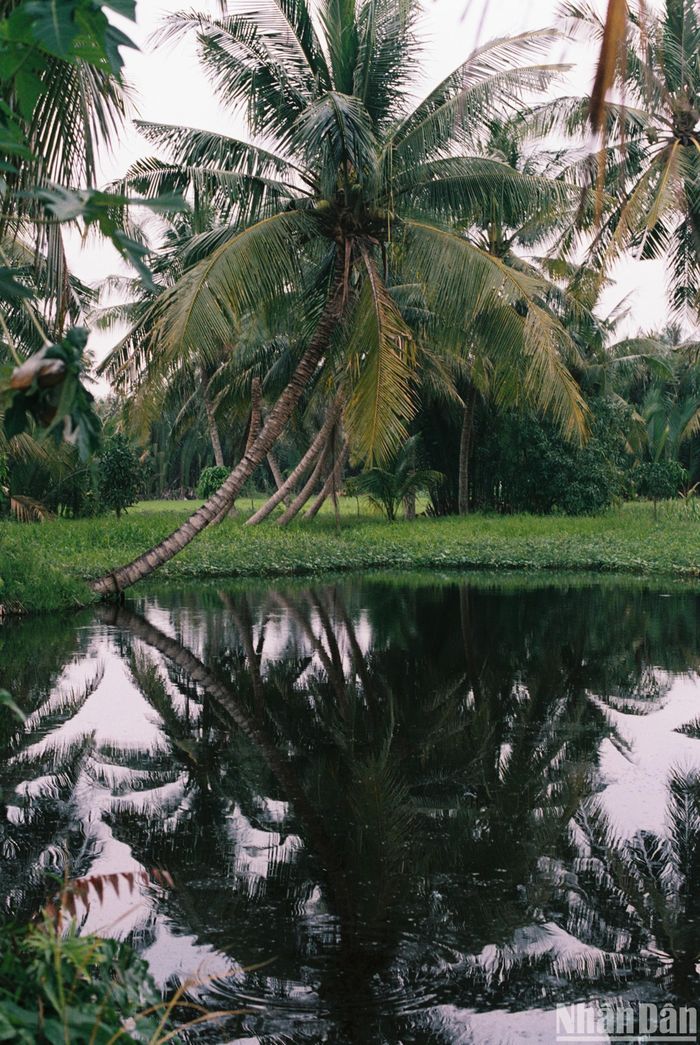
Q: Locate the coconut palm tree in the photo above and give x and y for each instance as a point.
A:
(353, 189)
(651, 153)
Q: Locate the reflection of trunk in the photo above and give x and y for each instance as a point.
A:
(332, 483)
(211, 422)
(308, 458)
(226, 698)
(465, 449)
(276, 422)
(277, 475)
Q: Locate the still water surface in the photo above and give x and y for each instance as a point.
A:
(393, 810)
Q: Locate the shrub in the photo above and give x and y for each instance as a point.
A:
(120, 475)
(523, 464)
(660, 480)
(60, 987)
(211, 480)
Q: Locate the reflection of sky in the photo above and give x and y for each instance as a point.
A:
(635, 792)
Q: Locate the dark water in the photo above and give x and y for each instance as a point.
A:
(393, 811)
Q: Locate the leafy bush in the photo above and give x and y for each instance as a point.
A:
(58, 987)
(120, 475)
(660, 480)
(523, 464)
(211, 480)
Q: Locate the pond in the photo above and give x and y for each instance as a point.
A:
(383, 809)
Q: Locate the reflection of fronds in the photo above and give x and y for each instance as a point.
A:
(642, 895)
(690, 729)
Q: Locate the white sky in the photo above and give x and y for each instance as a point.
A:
(170, 88)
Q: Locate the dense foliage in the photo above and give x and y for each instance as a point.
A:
(73, 990)
(523, 464)
(120, 475)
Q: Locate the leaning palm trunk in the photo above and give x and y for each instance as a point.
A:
(276, 421)
(307, 460)
(307, 490)
(254, 427)
(331, 484)
(465, 449)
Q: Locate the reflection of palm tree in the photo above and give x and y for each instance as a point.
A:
(642, 896)
(41, 822)
(353, 740)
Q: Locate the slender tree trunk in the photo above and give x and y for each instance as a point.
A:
(331, 484)
(277, 475)
(211, 422)
(307, 489)
(124, 576)
(465, 449)
(306, 461)
(255, 413)
(409, 507)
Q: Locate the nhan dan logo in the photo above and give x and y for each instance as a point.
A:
(627, 1022)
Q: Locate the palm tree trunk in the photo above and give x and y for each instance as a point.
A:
(307, 489)
(230, 510)
(277, 475)
(465, 449)
(255, 413)
(146, 564)
(306, 461)
(331, 484)
(211, 422)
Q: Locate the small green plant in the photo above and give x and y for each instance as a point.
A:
(211, 480)
(387, 488)
(120, 475)
(58, 987)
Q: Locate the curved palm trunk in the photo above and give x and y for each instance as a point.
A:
(254, 426)
(307, 489)
(331, 484)
(211, 424)
(146, 564)
(306, 461)
(465, 449)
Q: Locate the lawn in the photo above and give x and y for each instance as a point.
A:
(45, 566)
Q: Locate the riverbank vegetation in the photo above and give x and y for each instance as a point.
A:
(47, 567)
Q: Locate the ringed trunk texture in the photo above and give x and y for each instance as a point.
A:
(307, 460)
(146, 564)
(255, 413)
(331, 484)
(465, 449)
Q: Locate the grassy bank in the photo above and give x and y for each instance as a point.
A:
(46, 566)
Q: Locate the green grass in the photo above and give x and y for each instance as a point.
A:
(46, 566)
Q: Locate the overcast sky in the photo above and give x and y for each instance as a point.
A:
(170, 88)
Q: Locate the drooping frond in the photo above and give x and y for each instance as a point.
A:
(380, 352)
